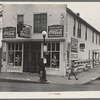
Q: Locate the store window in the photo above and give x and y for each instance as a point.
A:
(40, 22)
(52, 55)
(14, 54)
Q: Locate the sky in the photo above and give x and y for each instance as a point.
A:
(89, 11)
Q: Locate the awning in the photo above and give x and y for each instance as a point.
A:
(33, 40)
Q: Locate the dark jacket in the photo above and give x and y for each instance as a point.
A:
(42, 67)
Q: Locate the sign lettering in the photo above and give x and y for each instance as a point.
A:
(74, 56)
(55, 31)
(74, 45)
(9, 32)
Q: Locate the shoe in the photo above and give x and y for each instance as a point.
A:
(76, 78)
(69, 78)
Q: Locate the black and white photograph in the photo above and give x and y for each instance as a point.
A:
(50, 47)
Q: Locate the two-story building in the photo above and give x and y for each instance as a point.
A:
(69, 37)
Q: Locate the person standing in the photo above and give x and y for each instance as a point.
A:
(72, 71)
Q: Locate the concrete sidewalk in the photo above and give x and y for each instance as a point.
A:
(84, 77)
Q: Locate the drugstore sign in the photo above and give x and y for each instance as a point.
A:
(55, 31)
(9, 32)
(26, 31)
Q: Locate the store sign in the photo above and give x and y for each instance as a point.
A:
(74, 56)
(82, 46)
(26, 31)
(9, 32)
(55, 31)
(74, 45)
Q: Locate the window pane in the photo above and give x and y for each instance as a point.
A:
(53, 46)
(40, 23)
(48, 59)
(49, 46)
(20, 46)
(55, 59)
(9, 46)
(18, 58)
(11, 58)
(12, 46)
(57, 47)
(20, 18)
(16, 46)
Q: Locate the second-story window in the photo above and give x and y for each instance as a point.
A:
(86, 33)
(92, 36)
(99, 39)
(96, 38)
(74, 27)
(20, 22)
(79, 30)
(40, 22)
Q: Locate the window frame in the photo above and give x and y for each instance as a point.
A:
(93, 36)
(51, 52)
(20, 23)
(74, 27)
(79, 30)
(86, 33)
(40, 22)
(15, 51)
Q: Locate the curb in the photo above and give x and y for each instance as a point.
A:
(22, 81)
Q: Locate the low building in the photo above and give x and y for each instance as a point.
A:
(69, 37)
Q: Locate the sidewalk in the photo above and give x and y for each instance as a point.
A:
(84, 77)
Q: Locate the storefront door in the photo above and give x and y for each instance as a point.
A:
(32, 57)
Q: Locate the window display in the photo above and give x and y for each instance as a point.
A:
(14, 54)
(52, 55)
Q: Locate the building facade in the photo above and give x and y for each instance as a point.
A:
(68, 38)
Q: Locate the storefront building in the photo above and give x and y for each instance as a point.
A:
(23, 41)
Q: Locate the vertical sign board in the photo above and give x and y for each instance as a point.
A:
(55, 31)
(74, 49)
(9, 32)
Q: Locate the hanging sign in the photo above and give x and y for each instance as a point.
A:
(55, 31)
(26, 31)
(9, 32)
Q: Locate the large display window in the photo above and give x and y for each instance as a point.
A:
(14, 54)
(52, 55)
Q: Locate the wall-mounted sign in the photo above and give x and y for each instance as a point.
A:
(26, 31)
(9, 32)
(74, 56)
(55, 31)
(82, 46)
(74, 45)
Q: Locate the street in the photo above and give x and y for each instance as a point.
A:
(37, 87)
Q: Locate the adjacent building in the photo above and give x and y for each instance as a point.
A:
(69, 37)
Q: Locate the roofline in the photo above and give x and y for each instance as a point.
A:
(79, 18)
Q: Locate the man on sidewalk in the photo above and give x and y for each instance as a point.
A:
(72, 71)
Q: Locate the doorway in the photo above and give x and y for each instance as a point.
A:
(32, 56)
